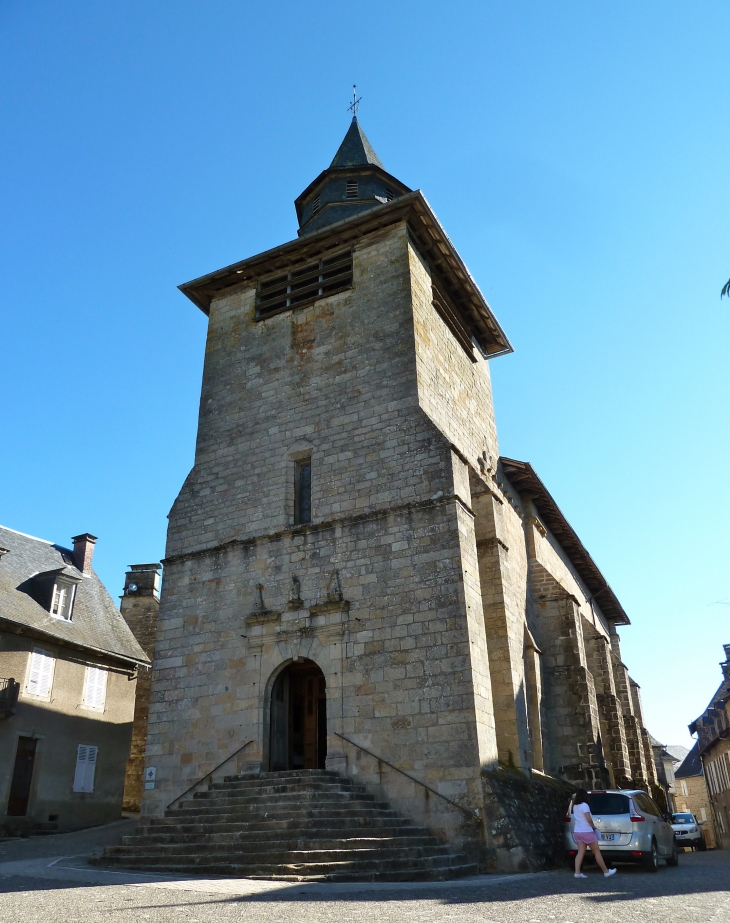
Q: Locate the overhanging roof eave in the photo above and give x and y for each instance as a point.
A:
(22, 628)
(415, 210)
(525, 480)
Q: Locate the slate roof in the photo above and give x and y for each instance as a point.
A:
(96, 623)
(355, 150)
(677, 752)
(524, 479)
(691, 765)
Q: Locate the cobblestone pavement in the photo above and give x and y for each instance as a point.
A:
(47, 880)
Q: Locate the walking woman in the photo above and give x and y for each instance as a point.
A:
(584, 834)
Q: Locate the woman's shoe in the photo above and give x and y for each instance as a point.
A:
(609, 873)
(579, 875)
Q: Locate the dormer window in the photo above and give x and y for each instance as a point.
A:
(63, 599)
(351, 190)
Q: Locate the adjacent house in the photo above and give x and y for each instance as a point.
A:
(713, 741)
(68, 668)
(666, 758)
(692, 794)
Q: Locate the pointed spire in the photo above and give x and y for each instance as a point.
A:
(355, 150)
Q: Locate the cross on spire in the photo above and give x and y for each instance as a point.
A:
(355, 104)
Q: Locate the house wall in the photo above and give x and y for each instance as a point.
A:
(60, 722)
(716, 762)
(692, 796)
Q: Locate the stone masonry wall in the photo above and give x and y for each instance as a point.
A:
(525, 819)
(140, 613)
(404, 649)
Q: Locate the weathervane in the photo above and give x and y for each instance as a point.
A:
(353, 107)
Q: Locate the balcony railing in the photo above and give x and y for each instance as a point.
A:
(9, 690)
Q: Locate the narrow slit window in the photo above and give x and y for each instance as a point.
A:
(303, 491)
(351, 190)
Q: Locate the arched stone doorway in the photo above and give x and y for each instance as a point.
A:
(298, 733)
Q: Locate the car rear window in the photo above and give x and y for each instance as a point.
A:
(608, 803)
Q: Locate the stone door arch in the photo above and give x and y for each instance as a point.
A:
(298, 718)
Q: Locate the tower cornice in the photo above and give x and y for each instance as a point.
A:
(428, 236)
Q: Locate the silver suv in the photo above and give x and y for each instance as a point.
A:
(630, 828)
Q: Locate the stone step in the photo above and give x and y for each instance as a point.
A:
(308, 874)
(237, 796)
(277, 811)
(290, 826)
(304, 785)
(284, 840)
(224, 799)
(303, 866)
(275, 855)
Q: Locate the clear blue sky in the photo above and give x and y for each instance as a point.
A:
(577, 154)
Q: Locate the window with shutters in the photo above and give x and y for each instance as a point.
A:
(95, 687)
(351, 189)
(40, 674)
(305, 285)
(63, 600)
(85, 768)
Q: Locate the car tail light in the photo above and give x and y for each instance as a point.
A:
(567, 819)
(636, 853)
(636, 819)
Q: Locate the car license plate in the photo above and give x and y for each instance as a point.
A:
(608, 836)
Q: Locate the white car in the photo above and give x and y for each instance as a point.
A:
(687, 831)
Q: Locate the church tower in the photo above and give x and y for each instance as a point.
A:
(354, 580)
(321, 586)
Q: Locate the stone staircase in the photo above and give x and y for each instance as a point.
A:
(309, 824)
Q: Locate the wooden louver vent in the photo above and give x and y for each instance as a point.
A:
(351, 190)
(304, 285)
(315, 205)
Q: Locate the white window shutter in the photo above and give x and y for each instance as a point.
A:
(41, 673)
(95, 692)
(85, 767)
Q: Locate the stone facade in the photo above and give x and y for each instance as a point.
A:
(139, 607)
(713, 742)
(454, 631)
(692, 795)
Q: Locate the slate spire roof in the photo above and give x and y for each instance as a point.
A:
(354, 182)
(355, 150)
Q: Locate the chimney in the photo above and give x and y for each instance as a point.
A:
(84, 551)
(142, 580)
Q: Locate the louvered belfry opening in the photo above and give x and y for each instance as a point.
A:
(351, 190)
(304, 285)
